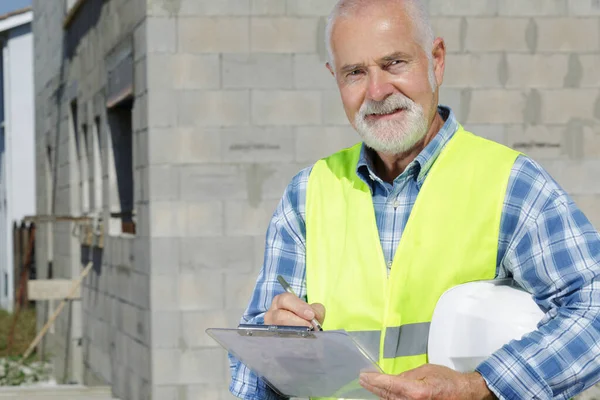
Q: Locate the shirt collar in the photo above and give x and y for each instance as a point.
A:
(421, 165)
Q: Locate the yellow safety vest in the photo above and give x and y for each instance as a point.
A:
(451, 238)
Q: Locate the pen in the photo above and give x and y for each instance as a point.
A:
(288, 289)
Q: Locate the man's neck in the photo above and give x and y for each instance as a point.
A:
(389, 166)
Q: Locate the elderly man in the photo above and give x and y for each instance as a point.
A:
(376, 233)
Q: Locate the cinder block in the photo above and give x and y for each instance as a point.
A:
(142, 220)
(568, 34)
(209, 391)
(164, 183)
(537, 70)
(267, 181)
(496, 106)
(166, 366)
(138, 360)
(140, 41)
(284, 35)
(196, 71)
(214, 108)
(162, 110)
(201, 290)
(267, 7)
(257, 144)
(286, 107)
(203, 366)
(473, 70)
(538, 142)
(591, 140)
(240, 287)
(226, 254)
(139, 294)
(204, 219)
(183, 71)
(310, 72)
(463, 7)
(584, 8)
(195, 323)
(161, 35)
(496, 34)
(199, 145)
(211, 182)
(164, 256)
(213, 35)
(313, 143)
(259, 71)
(580, 177)
(140, 151)
(516, 8)
(590, 76)
(164, 292)
(559, 106)
(213, 8)
(333, 108)
(450, 30)
(453, 98)
(167, 219)
(166, 392)
(310, 7)
(242, 219)
(166, 329)
(496, 133)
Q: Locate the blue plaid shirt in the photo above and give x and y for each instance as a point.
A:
(546, 244)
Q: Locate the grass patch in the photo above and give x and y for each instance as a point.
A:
(25, 332)
(12, 372)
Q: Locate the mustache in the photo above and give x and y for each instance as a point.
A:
(386, 106)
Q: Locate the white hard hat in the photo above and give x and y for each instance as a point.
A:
(473, 320)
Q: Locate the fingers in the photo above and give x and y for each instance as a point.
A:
(284, 317)
(288, 309)
(378, 384)
(319, 310)
(386, 387)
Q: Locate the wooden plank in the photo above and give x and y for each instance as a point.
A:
(51, 289)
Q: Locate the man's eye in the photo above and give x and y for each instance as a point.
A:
(396, 62)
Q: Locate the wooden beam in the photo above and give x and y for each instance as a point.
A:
(71, 13)
(51, 289)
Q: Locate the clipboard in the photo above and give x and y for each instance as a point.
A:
(299, 362)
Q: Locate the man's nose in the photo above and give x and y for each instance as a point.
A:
(379, 86)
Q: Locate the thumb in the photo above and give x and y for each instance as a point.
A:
(319, 310)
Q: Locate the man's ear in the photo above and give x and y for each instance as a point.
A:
(330, 68)
(439, 59)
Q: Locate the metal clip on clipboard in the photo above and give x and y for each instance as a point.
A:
(275, 330)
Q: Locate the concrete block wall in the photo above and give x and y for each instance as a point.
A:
(104, 338)
(242, 101)
(232, 100)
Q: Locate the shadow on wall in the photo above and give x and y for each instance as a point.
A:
(87, 18)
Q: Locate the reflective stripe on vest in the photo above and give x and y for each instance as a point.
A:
(451, 238)
(400, 341)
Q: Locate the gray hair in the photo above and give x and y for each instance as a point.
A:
(417, 12)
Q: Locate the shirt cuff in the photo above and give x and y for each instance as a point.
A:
(509, 376)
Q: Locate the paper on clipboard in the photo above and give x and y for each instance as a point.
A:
(300, 363)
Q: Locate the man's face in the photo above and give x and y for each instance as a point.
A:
(384, 75)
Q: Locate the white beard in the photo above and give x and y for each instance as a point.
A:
(391, 136)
